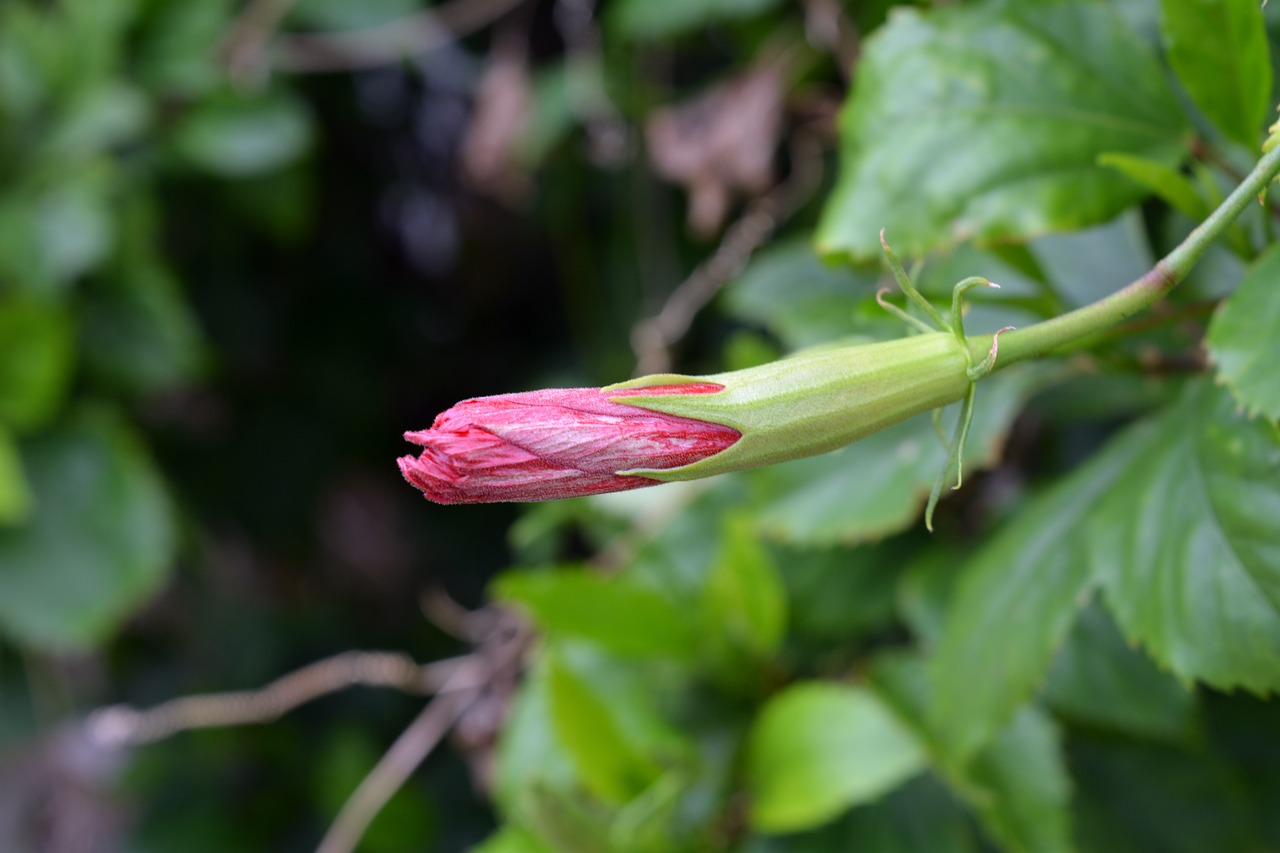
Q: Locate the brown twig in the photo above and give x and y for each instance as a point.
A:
(126, 726)
(394, 768)
(652, 339)
(501, 651)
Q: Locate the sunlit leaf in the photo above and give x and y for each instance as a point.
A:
(987, 121)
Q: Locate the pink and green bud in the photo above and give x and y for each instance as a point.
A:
(558, 443)
(561, 443)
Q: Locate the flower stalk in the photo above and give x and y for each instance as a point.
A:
(568, 442)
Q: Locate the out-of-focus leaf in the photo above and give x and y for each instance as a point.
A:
(568, 821)
(837, 594)
(1014, 605)
(818, 748)
(528, 752)
(1017, 784)
(1024, 792)
(178, 48)
(645, 19)
(986, 121)
(1175, 188)
(512, 839)
(877, 486)
(99, 543)
(243, 137)
(1099, 679)
(1187, 545)
(1243, 339)
(1139, 797)
(139, 333)
(613, 738)
(15, 496)
(745, 600)
(1218, 48)
(919, 817)
(805, 302)
(1086, 265)
(36, 352)
(73, 228)
(106, 116)
(611, 611)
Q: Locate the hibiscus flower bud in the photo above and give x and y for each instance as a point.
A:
(557, 443)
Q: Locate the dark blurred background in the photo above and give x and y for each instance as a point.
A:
(241, 251)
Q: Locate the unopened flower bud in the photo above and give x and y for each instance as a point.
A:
(557, 443)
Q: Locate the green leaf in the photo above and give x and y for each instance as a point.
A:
(243, 137)
(839, 595)
(1242, 337)
(1017, 784)
(139, 334)
(877, 486)
(100, 542)
(611, 734)
(790, 291)
(1015, 603)
(919, 817)
(512, 839)
(651, 19)
(528, 753)
(1025, 793)
(611, 611)
(1187, 543)
(15, 495)
(818, 748)
(1173, 187)
(1100, 680)
(745, 601)
(74, 230)
(986, 121)
(1218, 48)
(1086, 265)
(176, 54)
(36, 352)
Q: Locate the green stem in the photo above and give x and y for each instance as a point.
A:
(1042, 338)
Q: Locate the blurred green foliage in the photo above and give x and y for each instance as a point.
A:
(226, 289)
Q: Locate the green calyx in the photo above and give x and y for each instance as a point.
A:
(819, 400)
(813, 401)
